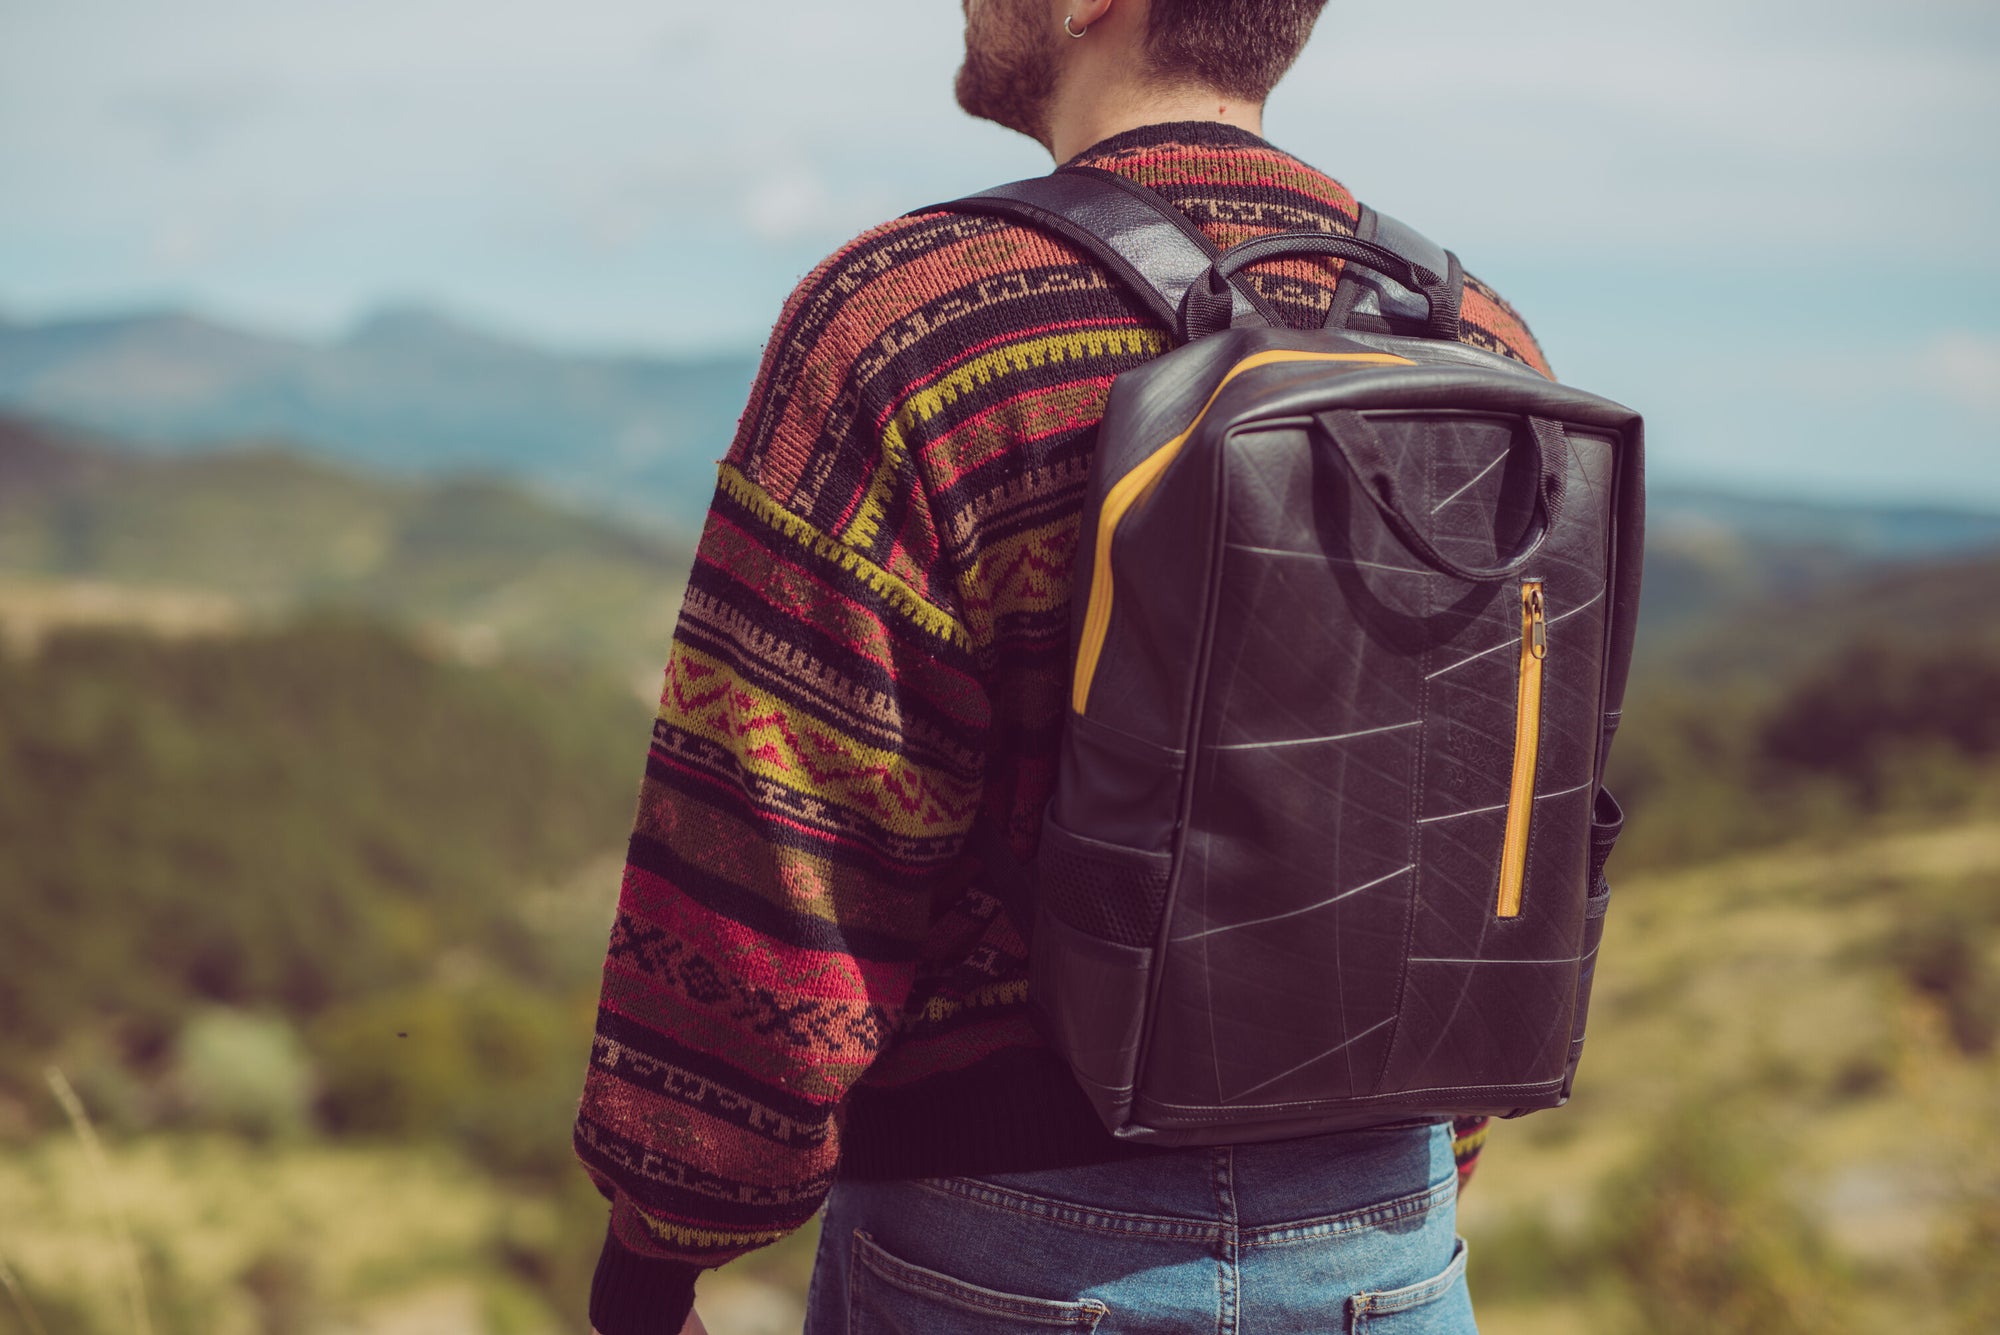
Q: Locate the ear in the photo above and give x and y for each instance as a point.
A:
(1083, 13)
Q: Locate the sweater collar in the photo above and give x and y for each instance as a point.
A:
(1198, 134)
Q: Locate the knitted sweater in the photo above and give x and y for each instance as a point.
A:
(805, 976)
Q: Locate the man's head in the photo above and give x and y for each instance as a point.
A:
(1018, 53)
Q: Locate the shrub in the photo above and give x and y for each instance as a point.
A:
(1704, 1238)
(245, 1073)
(482, 1064)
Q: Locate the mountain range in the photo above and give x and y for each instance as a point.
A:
(408, 390)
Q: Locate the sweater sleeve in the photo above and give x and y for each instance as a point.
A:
(815, 761)
(1468, 1138)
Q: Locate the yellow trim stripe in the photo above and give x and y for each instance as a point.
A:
(933, 399)
(773, 740)
(1128, 489)
(707, 1239)
(923, 614)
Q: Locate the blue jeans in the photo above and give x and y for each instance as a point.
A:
(1333, 1234)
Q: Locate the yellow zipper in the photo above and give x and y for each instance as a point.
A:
(1527, 747)
(1127, 491)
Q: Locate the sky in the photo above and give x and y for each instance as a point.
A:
(1767, 224)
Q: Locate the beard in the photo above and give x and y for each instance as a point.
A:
(1009, 74)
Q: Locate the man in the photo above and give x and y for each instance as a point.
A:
(809, 989)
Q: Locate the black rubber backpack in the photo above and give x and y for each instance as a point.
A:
(1354, 608)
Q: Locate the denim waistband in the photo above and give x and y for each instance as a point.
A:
(1268, 1193)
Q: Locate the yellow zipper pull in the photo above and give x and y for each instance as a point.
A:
(1527, 749)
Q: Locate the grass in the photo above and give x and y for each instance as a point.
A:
(1764, 1000)
(234, 1233)
(108, 1196)
(25, 1309)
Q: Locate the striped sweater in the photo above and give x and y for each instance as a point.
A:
(805, 976)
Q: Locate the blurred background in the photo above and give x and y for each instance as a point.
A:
(362, 370)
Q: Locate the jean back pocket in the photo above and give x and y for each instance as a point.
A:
(890, 1296)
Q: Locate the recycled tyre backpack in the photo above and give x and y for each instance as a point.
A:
(1353, 613)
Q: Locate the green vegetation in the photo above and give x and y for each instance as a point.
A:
(1775, 635)
(1870, 732)
(310, 905)
(292, 820)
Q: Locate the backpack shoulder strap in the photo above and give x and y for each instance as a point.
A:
(1153, 248)
(1366, 300)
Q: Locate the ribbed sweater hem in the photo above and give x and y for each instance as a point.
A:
(635, 1294)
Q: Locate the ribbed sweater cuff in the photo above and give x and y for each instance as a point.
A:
(633, 1294)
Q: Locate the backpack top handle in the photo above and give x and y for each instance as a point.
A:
(1203, 308)
(1374, 465)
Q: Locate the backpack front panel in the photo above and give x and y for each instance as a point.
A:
(1335, 928)
(1313, 935)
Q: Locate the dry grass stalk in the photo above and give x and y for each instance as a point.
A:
(21, 1303)
(100, 1169)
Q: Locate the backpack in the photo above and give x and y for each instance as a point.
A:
(1353, 611)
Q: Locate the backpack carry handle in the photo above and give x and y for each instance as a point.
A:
(1361, 446)
(1206, 307)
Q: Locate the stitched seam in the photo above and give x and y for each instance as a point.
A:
(1228, 1309)
(1389, 1212)
(1073, 1216)
(1388, 1302)
(903, 1275)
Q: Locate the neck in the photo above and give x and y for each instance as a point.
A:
(1087, 111)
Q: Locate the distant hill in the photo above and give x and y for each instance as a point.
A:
(407, 390)
(1904, 605)
(477, 560)
(1872, 532)
(1709, 553)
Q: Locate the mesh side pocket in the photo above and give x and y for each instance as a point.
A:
(1109, 891)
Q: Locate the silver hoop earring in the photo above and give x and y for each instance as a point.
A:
(1072, 31)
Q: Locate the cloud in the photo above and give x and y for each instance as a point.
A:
(786, 205)
(1957, 369)
(187, 119)
(1964, 367)
(1682, 130)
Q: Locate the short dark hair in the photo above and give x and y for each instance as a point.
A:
(1238, 47)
